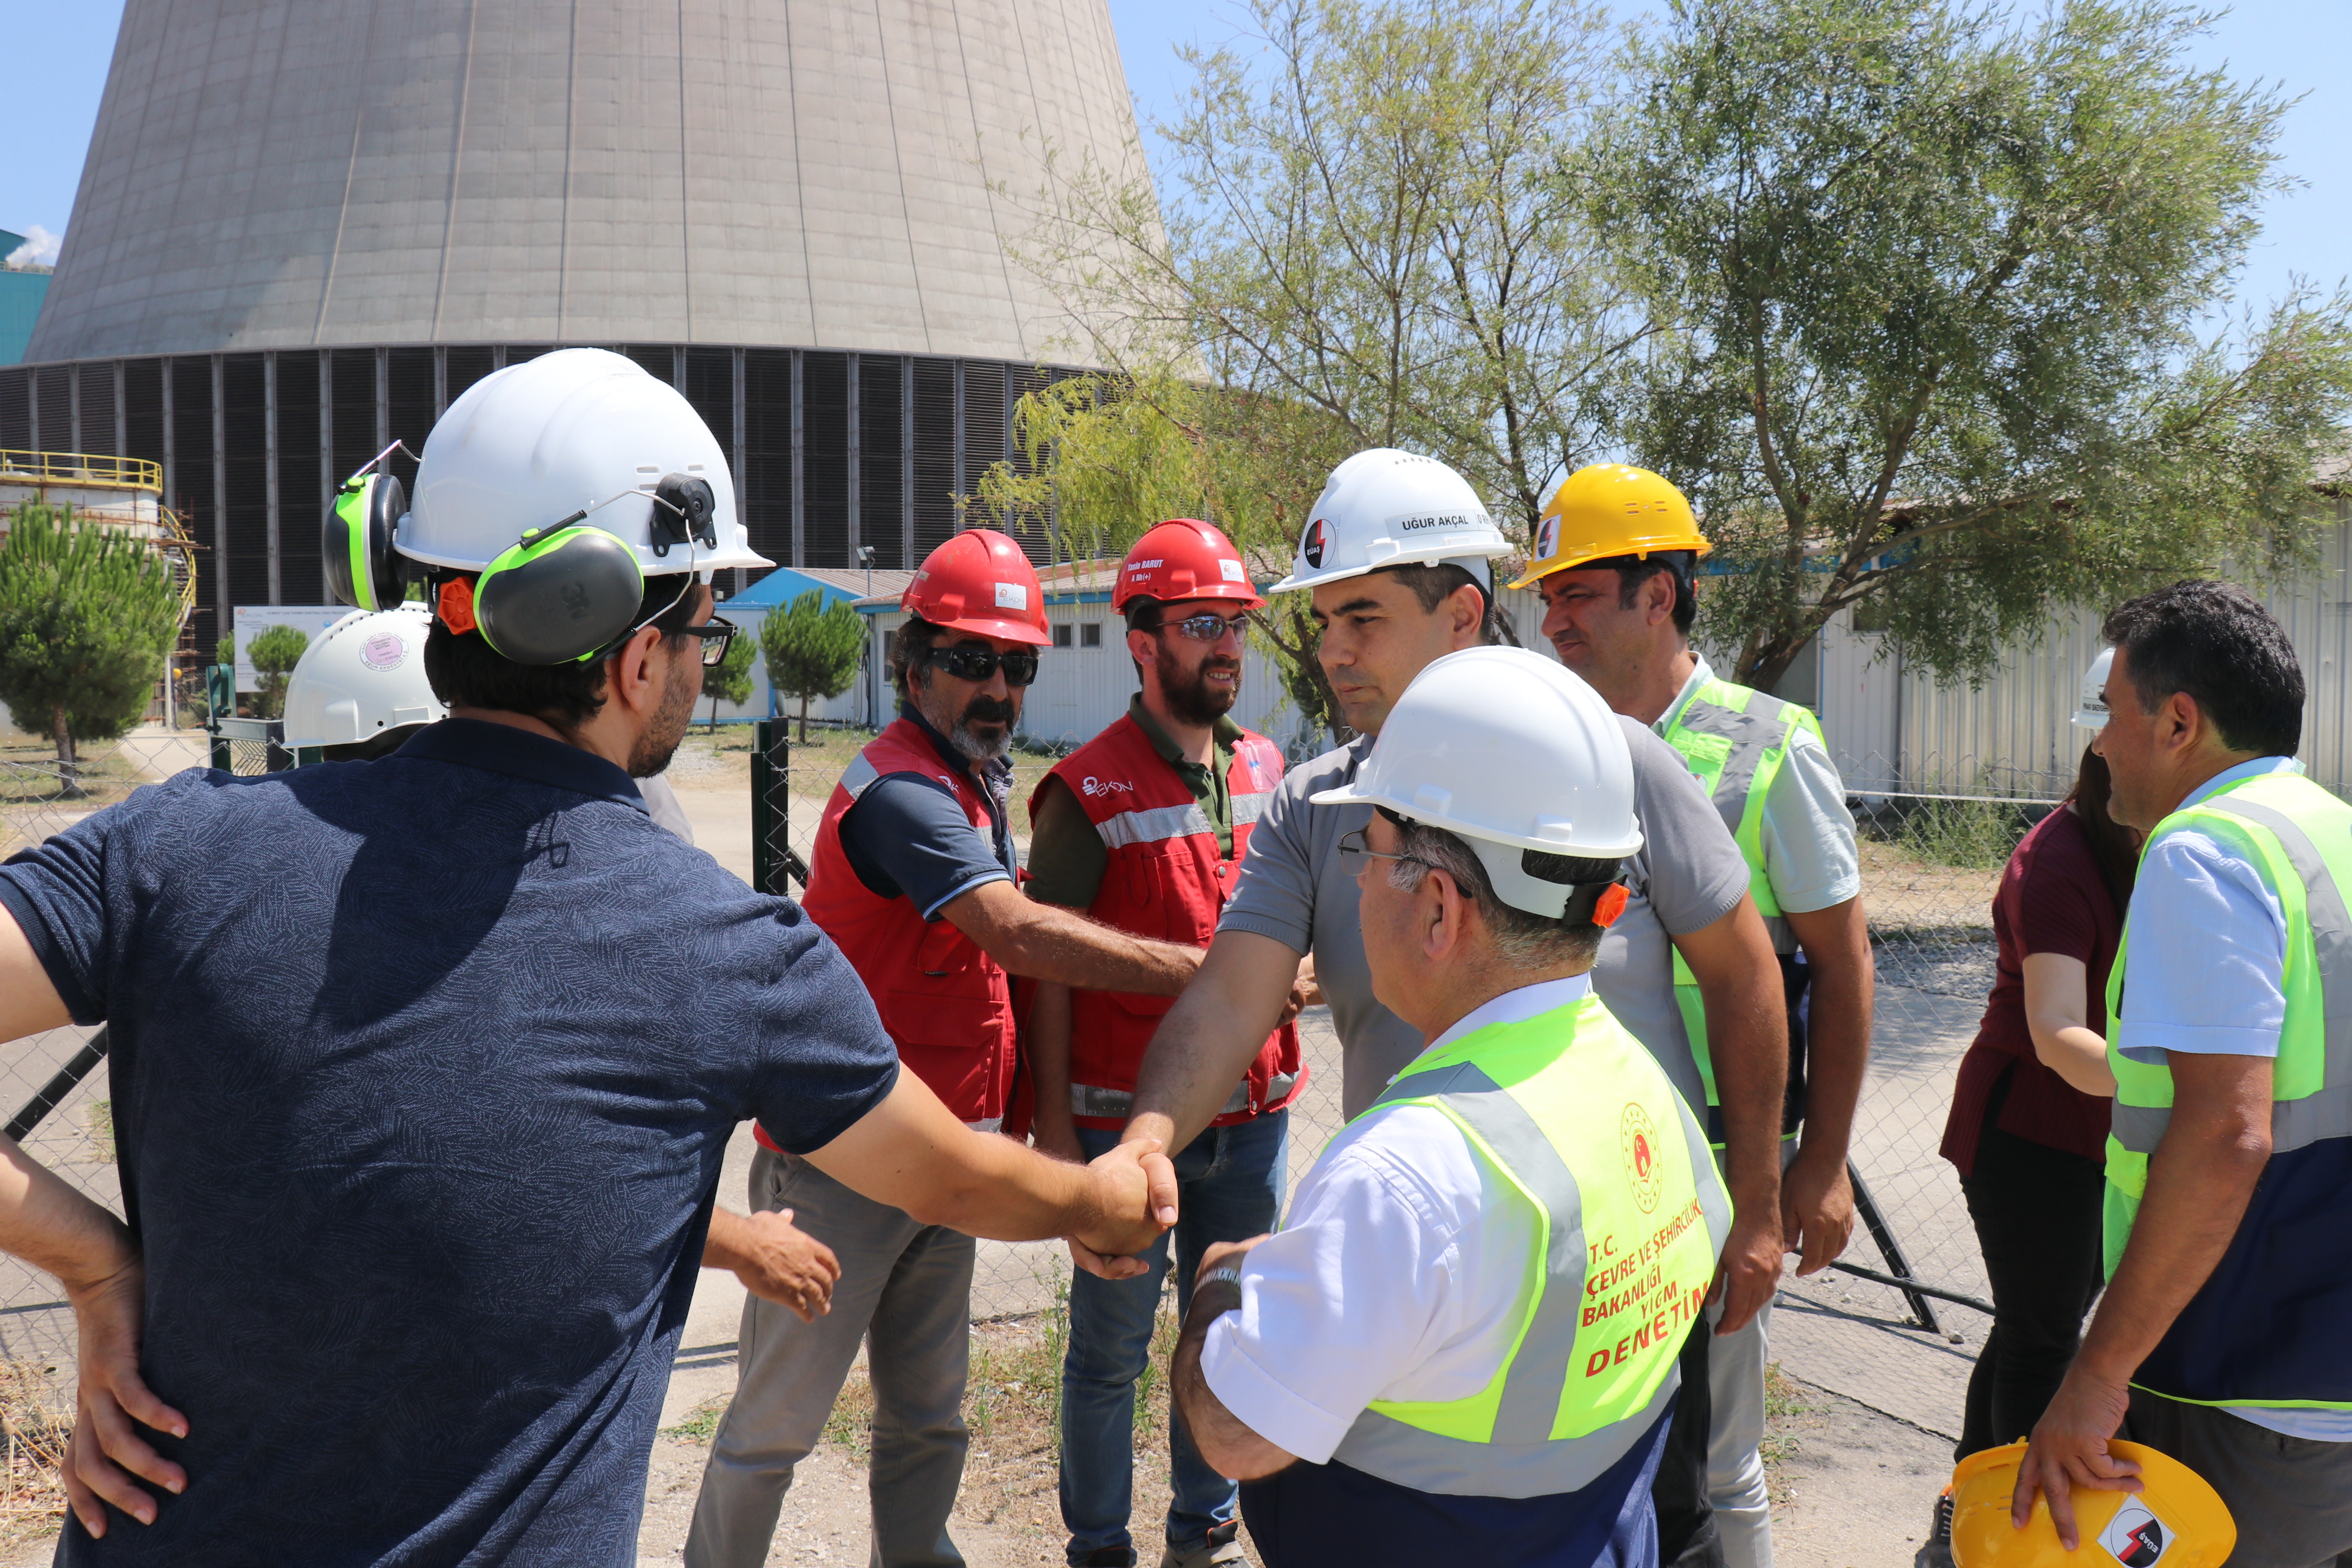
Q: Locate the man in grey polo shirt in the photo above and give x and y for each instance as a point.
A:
(1382, 624)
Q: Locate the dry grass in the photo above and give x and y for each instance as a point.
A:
(1785, 1414)
(37, 1419)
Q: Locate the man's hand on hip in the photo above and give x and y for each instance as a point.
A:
(113, 1402)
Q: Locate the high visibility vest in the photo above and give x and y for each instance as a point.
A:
(1587, 1133)
(1736, 739)
(2269, 1326)
(1165, 878)
(947, 1003)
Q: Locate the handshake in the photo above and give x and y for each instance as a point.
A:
(1130, 1199)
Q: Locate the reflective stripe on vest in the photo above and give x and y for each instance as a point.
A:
(2298, 838)
(1735, 740)
(1581, 1123)
(1164, 876)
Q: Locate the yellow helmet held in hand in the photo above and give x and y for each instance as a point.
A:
(1608, 510)
(2176, 1521)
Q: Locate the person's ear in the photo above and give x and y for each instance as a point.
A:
(1142, 647)
(2178, 722)
(1465, 608)
(1439, 912)
(1658, 597)
(629, 674)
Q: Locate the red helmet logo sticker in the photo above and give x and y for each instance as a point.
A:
(1548, 538)
(1637, 1140)
(1312, 542)
(2135, 1537)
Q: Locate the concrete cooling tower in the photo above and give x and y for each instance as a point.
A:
(305, 225)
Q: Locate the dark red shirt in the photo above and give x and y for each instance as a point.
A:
(2052, 899)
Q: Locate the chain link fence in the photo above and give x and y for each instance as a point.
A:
(1931, 863)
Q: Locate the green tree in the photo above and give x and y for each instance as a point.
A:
(274, 652)
(729, 680)
(811, 649)
(1937, 278)
(1380, 242)
(87, 615)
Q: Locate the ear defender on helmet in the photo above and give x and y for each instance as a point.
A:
(356, 545)
(684, 509)
(559, 595)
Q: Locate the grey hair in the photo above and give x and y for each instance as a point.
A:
(1523, 940)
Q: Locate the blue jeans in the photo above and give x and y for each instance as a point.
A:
(1229, 1184)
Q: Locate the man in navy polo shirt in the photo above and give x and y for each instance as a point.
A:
(424, 1068)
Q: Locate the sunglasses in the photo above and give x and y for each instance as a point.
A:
(1205, 628)
(977, 664)
(717, 636)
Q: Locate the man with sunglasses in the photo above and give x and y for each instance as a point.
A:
(1145, 828)
(1397, 554)
(914, 876)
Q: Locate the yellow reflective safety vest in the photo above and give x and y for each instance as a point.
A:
(1587, 1132)
(2269, 1328)
(1736, 739)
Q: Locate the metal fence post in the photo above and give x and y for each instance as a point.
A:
(763, 876)
(220, 697)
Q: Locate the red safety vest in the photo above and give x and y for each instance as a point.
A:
(947, 1003)
(1165, 879)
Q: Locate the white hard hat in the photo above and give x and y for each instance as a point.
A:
(1513, 752)
(2092, 712)
(1387, 508)
(361, 677)
(580, 431)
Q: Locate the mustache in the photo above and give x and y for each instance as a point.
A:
(990, 710)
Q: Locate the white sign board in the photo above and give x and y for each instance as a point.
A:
(252, 620)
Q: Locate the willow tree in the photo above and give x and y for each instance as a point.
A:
(1940, 283)
(87, 616)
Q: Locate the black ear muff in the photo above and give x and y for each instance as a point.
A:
(684, 508)
(559, 597)
(356, 544)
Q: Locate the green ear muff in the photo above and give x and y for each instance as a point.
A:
(559, 597)
(356, 546)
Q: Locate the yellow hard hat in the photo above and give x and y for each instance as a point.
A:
(1608, 510)
(2178, 1519)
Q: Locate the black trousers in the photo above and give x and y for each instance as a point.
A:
(1686, 1532)
(2037, 1217)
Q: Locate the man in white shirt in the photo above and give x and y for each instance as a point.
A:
(1461, 1344)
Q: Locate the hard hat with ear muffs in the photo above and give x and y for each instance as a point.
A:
(551, 489)
(357, 548)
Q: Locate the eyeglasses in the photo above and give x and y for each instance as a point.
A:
(1206, 627)
(717, 636)
(977, 664)
(1354, 850)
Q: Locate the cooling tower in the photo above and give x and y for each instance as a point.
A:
(305, 225)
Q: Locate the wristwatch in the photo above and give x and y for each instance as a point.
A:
(1223, 1273)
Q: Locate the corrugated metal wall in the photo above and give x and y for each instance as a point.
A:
(1898, 729)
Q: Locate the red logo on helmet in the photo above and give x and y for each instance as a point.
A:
(1548, 538)
(1311, 543)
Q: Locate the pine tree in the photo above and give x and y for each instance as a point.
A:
(88, 615)
(729, 680)
(813, 648)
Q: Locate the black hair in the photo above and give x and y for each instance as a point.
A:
(1433, 583)
(2114, 848)
(909, 645)
(2213, 642)
(1634, 570)
(466, 671)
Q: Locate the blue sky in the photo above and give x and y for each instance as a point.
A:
(65, 47)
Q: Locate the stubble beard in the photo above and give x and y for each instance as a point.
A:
(666, 731)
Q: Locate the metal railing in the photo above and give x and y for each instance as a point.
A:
(83, 469)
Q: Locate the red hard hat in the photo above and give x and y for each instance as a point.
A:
(1183, 559)
(980, 582)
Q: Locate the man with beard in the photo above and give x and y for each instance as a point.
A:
(914, 876)
(1144, 828)
(424, 1069)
